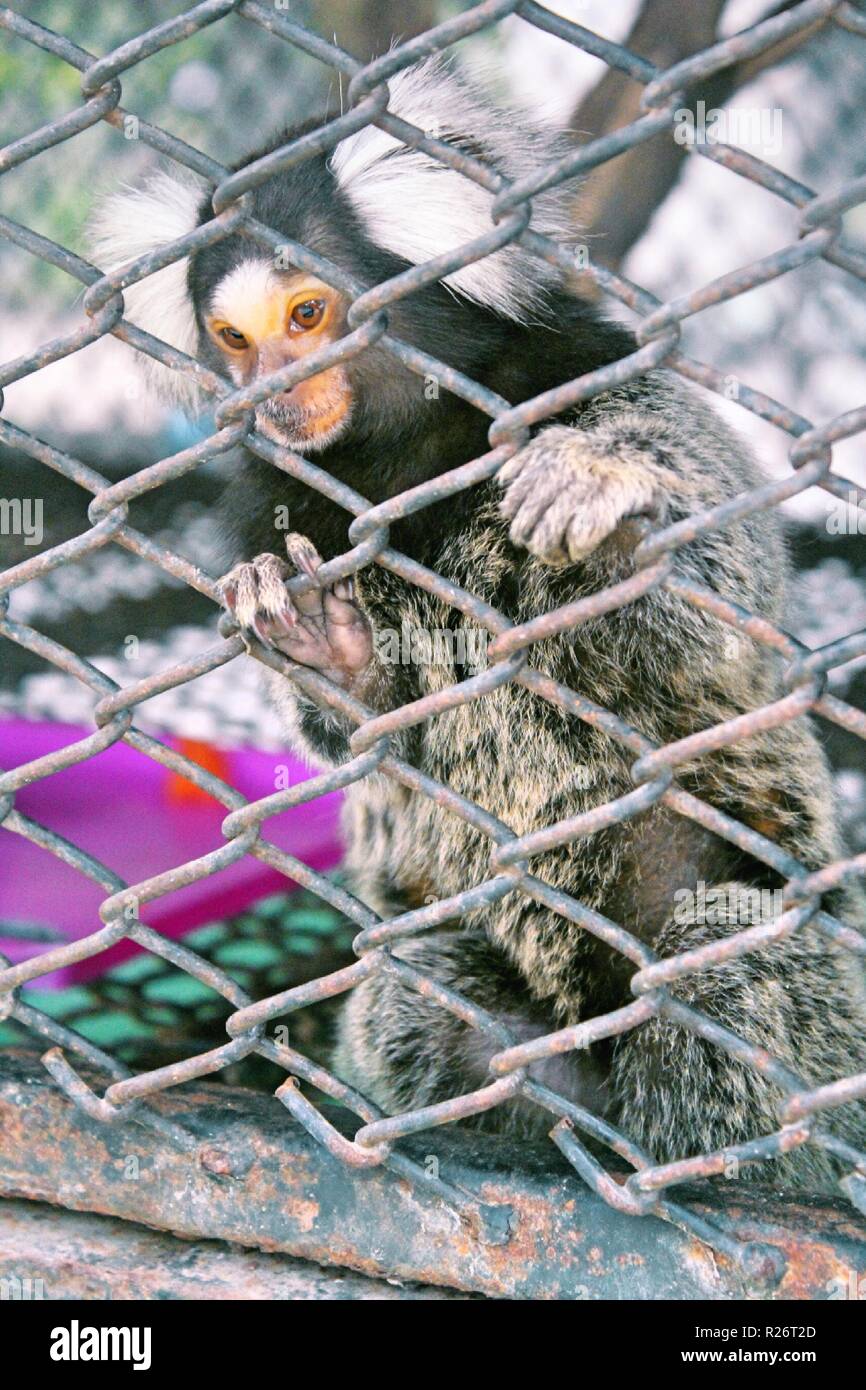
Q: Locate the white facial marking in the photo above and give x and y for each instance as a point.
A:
(247, 285)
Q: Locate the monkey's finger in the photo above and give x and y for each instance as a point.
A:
(228, 592)
(538, 509)
(256, 597)
(230, 587)
(350, 636)
(268, 630)
(240, 593)
(303, 554)
(338, 610)
(515, 467)
(306, 559)
(309, 605)
(270, 580)
(525, 485)
(344, 589)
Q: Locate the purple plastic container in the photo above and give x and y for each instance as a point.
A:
(139, 819)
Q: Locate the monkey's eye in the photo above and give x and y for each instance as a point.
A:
(308, 314)
(233, 339)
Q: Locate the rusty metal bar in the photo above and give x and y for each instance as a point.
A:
(48, 1253)
(255, 1180)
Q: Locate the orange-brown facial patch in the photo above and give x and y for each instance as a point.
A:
(262, 320)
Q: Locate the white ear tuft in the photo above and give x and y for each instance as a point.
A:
(128, 225)
(417, 208)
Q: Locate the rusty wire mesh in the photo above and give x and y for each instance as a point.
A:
(818, 226)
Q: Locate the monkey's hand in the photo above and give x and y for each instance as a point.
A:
(567, 491)
(323, 628)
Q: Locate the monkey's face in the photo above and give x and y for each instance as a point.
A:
(260, 320)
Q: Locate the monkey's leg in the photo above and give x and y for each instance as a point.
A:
(323, 629)
(403, 1050)
(679, 1095)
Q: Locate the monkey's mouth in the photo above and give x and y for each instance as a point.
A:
(309, 417)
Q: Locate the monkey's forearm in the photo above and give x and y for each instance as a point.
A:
(570, 497)
(574, 488)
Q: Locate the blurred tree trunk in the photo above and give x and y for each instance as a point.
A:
(618, 199)
(366, 28)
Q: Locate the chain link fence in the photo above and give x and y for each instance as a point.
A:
(650, 1188)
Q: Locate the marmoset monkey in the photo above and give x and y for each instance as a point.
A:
(557, 523)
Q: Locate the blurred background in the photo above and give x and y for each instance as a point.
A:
(667, 219)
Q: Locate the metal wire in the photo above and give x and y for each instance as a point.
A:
(818, 228)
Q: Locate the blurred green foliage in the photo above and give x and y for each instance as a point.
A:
(223, 90)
